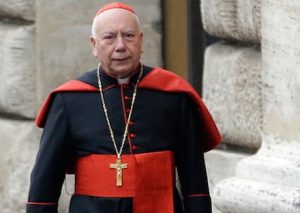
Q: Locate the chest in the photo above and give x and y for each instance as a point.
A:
(154, 123)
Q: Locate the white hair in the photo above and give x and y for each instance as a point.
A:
(94, 25)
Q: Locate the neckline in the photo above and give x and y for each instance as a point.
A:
(108, 81)
(131, 78)
(123, 80)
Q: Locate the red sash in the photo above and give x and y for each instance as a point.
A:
(148, 178)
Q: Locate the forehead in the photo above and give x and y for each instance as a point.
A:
(116, 19)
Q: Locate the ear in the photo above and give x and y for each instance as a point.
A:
(93, 43)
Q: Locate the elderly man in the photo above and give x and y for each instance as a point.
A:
(122, 129)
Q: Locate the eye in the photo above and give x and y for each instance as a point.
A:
(129, 36)
(107, 37)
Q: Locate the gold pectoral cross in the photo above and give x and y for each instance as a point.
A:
(119, 166)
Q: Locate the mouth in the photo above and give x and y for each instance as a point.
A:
(121, 59)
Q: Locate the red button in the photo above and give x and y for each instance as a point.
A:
(128, 110)
(134, 147)
(127, 98)
(131, 135)
(131, 123)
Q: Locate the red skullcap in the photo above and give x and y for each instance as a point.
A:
(115, 6)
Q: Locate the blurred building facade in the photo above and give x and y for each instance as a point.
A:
(251, 84)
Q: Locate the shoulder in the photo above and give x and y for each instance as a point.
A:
(84, 82)
(165, 80)
(160, 73)
(89, 77)
(81, 84)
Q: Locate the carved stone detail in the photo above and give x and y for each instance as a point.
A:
(233, 19)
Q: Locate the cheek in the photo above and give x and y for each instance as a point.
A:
(105, 51)
(137, 51)
(135, 48)
(100, 51)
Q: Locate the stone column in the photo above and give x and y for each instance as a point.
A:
(232, 84)
(43, 44)
(268, 181)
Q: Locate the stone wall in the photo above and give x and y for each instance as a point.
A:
(43, 44)
(251, 84)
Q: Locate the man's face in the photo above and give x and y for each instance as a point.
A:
(118, 42)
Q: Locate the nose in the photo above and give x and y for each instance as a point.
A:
(120, 44)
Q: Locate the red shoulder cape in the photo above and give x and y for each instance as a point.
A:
(157, 79)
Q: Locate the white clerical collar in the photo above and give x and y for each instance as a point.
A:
(123, 80)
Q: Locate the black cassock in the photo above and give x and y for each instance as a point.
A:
(75, 127)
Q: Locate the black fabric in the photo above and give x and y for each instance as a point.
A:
(41, 208)
(197, 204)
(76, 127)
(53, 157)
(86, 204)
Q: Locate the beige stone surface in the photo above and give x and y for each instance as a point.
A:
(17, 69)
(281, 64)
(232, 92)
(221, 165)
(63, 49)
(248, 196)
(19, 9)
(277, 162)
(18, 147)
(265, 182)
(233, 19)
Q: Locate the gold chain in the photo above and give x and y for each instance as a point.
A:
(119, 153)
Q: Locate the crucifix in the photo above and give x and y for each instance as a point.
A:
(119, 166)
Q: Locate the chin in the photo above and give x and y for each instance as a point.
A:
(123, 69)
